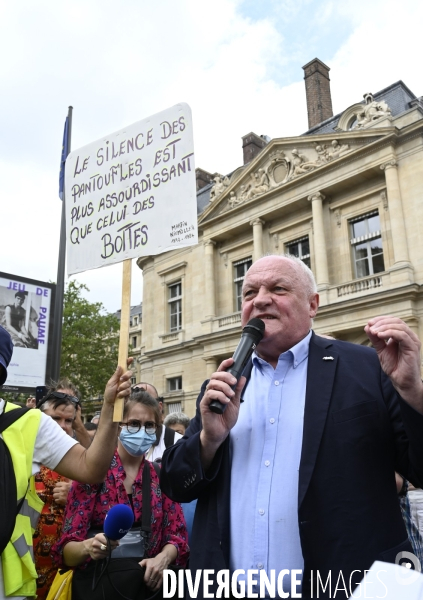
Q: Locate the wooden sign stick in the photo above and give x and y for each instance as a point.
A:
(124, 330)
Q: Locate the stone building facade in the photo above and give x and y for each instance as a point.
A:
(134, 339)
(345, 196)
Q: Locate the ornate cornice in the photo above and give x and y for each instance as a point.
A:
(171, 268)
(245, 190)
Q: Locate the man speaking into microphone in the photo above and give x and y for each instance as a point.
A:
(300, 475)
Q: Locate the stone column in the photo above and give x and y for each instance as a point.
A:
(211, 366)
(321, 258)
(210, 292)
(257, 225)
(399, 235)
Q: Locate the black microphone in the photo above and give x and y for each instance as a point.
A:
(250, 338)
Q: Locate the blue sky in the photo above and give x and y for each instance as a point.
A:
(237, 63)
(307, 29)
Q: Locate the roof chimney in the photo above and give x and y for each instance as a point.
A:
(202, 178)
(317, 84)
(252, 145)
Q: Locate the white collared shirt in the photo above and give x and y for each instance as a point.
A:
(266, 445)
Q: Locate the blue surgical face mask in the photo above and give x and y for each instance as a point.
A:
(136, 444)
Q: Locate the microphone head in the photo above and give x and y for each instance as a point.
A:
(118, 521)
(255, 327)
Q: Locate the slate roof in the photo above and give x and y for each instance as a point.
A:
(397, 96)
(203, 197)
(135, 311)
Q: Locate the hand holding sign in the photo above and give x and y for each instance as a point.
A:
(131, 194)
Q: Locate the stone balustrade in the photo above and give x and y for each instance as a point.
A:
(361, 285)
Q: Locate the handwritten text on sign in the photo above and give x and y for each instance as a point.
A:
(132, 193)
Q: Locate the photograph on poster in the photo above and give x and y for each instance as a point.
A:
(19, 315)
(25, 312)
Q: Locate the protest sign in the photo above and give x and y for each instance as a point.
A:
(132, 193)
(26, 307)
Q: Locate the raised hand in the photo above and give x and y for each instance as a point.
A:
(119, 385)
(398, 349)
(216, 427)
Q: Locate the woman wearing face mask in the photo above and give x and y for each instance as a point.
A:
(87, 505)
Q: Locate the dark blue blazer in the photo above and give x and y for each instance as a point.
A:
(357, 433)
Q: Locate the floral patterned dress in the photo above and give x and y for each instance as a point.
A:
(88, 506)
(48, 530)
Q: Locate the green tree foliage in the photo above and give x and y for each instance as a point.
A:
(89, 342)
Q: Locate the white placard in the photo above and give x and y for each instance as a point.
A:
(390, 581)
(132, 193)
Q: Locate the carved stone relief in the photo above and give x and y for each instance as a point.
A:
(301, 164)
(371, 111)
(338, 149)
(281, 168)
(233, 200)
(384, 199)
(278, 168)
(323, 155)
(219, 187)
(258, 184)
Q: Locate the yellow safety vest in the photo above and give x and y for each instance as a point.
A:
(19, 572)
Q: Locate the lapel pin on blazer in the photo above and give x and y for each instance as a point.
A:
(328, 358)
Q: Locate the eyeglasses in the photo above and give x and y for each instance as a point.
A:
(58, 396)
(133, 426)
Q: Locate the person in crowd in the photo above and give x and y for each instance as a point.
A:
(52, 489)
(165, 436)
(415, 497)
(178, 421)
(413, 532)
(68, 389)
(34, 440)
(96, 418)
(91, 428)
(88, 505)
(308, 458)
(146, 387)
